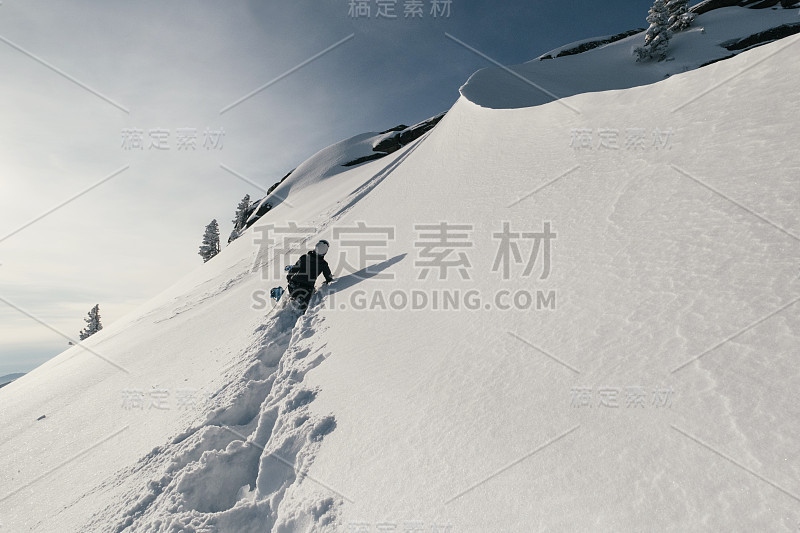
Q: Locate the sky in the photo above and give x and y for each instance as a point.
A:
(87, 216)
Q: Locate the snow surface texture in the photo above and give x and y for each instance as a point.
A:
(465, 420)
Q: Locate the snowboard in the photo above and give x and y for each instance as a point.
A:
(276, 292)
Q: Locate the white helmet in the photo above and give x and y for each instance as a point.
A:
(322, 247)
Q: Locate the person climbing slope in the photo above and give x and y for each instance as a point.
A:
(303, 275)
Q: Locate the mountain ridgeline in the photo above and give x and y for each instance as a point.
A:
(389, 141)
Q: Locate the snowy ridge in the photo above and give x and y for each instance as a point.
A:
(337, 158)
(324, 164)
(611, 66)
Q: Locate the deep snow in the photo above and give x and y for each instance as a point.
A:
(468, 420)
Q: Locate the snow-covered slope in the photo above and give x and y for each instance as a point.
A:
(335, 159)
(611, 66)
(474, 419)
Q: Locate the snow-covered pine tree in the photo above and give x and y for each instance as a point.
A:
(679, 16)
(239, 219)
(210, 246)
(93, 324)
(656, 40)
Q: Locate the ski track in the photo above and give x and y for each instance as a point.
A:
(188, 306)
(376, 180)
(232, 472)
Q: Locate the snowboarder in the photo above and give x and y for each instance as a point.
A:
(303, 275)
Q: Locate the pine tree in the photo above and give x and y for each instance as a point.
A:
(210, 246)
(679, 16)
(93, 324)
(656, 40)
(240, 218)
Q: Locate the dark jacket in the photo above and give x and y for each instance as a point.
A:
(308, 268)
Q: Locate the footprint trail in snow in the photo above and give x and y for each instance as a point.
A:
(232, 472)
